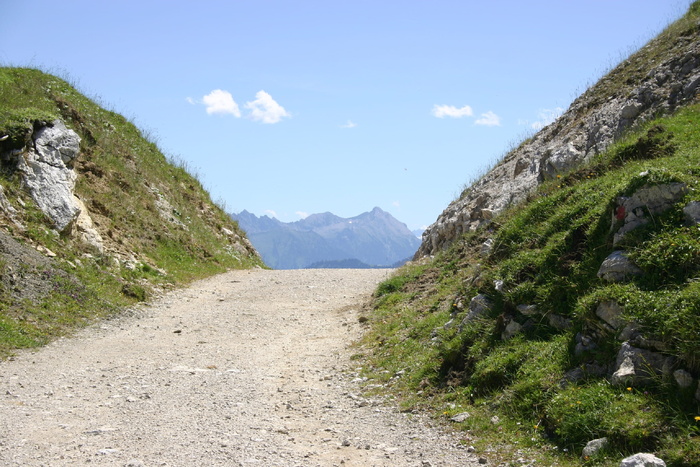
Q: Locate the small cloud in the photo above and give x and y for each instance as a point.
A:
(396, 204)
(349, 124)
(302, 214)
(265, 109)
(545, 117)
(271, 213)
(442, 111)
(488, 119)
(220, 102)
(191, 101)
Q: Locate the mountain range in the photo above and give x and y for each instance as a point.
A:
(371, 239)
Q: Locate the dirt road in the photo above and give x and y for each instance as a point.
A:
(245, 368)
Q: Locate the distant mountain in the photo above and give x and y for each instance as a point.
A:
(372, 239)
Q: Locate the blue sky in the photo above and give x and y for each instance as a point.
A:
(289, 108)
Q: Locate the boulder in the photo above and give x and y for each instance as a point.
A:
(584, 343)
(639, 367)
(512, 328)
(683, 378)
(611, 313)
(460, 417)
(479, 306)
(528, 310)
(617, 267)
(692, 212)
(559, 322)
(593, 447)
(642, 460)
(47, 173)
(635, 211)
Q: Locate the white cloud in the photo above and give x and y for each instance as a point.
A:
(396, 204)
(442, 111)
(545, 117)
(489, 119)
(270, 213)
(190, 100)
(265, 109)
(221, 102)
(302, 214)
(349, 124)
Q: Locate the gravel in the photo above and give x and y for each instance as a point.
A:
(245, 368)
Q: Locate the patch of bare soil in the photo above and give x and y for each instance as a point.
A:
(246, 368)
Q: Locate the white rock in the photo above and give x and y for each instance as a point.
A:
(47, 174)
(617, 267)
(594, 446)
(642, 460)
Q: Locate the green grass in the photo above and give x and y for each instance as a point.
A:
(547, 253)
(122, 174)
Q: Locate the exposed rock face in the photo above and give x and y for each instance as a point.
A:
(85, 228)
(48, 173)
(592, 122)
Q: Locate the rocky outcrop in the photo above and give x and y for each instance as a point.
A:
(662, 76)
(47, 172)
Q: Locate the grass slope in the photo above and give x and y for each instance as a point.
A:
(123, 179)
(546, 252)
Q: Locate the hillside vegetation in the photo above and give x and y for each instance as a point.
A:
(158, 225)
(508, 333)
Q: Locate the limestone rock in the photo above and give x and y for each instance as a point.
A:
(48, 174)
(593, 447)
(460, 417)
(611, 313)
(85, 229)
(642, 460)
(512, 328)
(635, 366)
(584, 343)
(617, 267)
(587, 128)
(478, 307)
(683, 378)
(7, 208)
(692, 212)
(634, 211)
(528, 310)
(559, 322)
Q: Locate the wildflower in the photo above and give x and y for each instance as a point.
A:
(629, 389)
(697, 419)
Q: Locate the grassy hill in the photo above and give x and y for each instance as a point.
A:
(158, 224)
(533, 367)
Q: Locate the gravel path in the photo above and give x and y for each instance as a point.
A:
(245, 368)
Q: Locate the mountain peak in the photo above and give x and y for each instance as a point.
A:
(374, 238)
